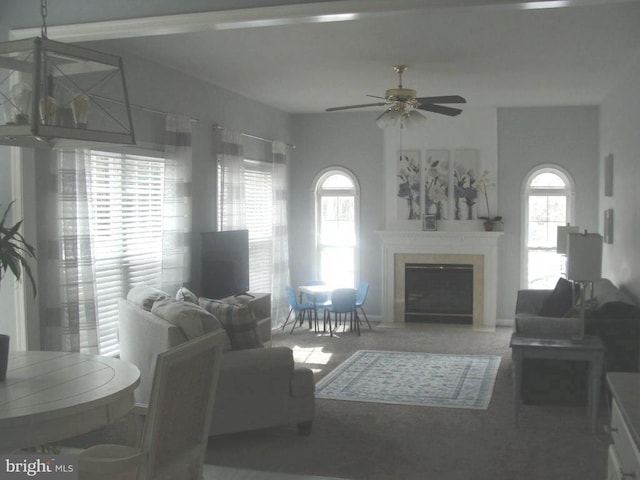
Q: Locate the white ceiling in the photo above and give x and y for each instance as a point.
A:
(496, 54)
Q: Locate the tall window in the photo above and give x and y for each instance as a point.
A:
(126, 230)
(337, 205)
(259, 218)
(548, 204)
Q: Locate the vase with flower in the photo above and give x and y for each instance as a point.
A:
(481, 185)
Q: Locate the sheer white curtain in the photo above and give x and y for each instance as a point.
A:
(280, 236)
(70, 317)
(232, 208)
(176, 203)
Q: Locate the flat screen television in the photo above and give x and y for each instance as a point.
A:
(225, 263)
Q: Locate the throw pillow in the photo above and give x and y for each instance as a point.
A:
(259, 305)
(192, 320)
(186, 295)
(144, 296)
(560, 301)
(237, 320)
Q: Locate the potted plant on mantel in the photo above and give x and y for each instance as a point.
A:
(14, 253)
(481, 185)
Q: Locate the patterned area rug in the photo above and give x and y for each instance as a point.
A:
(406, 378)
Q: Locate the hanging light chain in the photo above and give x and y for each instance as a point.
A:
(43, 13)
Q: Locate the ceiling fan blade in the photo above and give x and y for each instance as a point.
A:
(335, 109)
(376, 96)
(444, 99)
(452, 112)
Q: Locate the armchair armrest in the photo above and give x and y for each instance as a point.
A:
(531, 300)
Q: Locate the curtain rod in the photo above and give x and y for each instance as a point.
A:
(140, 107)
(255, 137)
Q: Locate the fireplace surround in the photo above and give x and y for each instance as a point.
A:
(478, 249)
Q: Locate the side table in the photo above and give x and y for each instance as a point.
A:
(589, 348)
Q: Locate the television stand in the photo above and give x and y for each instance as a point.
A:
(247, 294)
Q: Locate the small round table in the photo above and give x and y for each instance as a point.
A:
(50, 396)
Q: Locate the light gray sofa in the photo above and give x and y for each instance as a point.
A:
(257, 388)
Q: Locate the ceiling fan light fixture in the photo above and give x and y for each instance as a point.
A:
(413, 118)
(57, 95)
(388, 118)
(403, 105)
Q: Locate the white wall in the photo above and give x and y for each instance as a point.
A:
(349, 140)
(528, 137)
(475, 128)
(619, 136)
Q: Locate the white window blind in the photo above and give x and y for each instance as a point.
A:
(259, 201)
(126, 229)
(259, 215)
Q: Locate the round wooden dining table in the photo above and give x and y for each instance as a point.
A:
(50, 396)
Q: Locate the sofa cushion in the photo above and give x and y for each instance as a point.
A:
(186, 295)
(237, 320)
(191, 319)
(144, 296)
(560, 301)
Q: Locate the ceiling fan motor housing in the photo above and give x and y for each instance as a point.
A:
(400, 95)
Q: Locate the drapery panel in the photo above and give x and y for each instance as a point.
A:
(176, 203)
(70, 314)
(231, 182)
(280, 236)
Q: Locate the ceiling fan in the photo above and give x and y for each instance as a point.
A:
(403, 105)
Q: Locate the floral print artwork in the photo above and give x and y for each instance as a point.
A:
(464, 184)
(444, 183)
(408, 173)
(436, 184)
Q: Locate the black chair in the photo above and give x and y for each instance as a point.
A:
(343, 304)
(297, 308)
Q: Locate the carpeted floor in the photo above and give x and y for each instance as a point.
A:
(379, 441)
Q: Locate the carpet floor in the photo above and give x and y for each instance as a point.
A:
(372, 441)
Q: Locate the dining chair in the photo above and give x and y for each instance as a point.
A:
(343, 304)
(361, 297)
(298, 308)
(176, 427)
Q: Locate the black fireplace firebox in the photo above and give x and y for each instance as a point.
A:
(439, 293)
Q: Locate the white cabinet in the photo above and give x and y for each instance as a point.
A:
(624, 452)
(613, 465)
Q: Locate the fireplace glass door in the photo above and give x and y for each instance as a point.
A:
(439, 293)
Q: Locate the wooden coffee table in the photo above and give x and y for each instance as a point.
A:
(590, 348)
(50, 396)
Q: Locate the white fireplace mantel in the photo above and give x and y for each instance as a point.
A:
(445, 243)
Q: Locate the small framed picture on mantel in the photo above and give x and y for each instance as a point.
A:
(429, 223)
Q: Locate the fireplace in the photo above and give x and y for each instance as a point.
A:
(452, 248)
(438, 293)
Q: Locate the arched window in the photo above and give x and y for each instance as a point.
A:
(337, 196)
(548, 203)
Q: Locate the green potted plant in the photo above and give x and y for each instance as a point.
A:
(15, 250)
(481, 185)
